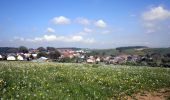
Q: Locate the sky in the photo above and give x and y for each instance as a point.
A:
(84, 23)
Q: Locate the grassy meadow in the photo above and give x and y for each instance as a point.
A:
(60, 81)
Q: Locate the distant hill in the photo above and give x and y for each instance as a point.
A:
(68, 48)
(131, 50)
(8, 50)
(104, 52)
(131, 47)
(157, 50)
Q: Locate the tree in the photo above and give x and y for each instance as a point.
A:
(103, 53)
(156, 57)
(119, 50)
(41, 54)
(54, 54)
(23, 49)
(166, 58)
(51, 49)
(167, 55)
(41, 49)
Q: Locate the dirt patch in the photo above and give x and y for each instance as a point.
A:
(163, 94)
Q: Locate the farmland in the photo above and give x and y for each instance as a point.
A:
(29, 80)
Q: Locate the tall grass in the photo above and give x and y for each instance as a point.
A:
(28, 80)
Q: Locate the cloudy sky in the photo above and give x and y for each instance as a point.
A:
(85, 23)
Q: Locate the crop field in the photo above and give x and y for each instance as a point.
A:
(66, 81)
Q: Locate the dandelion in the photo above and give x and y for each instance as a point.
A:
(17, 96)
(34, 95)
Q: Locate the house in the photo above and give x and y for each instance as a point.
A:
(117, 60)
(129, 58)
(19, 57)
(42, 59)
(80, 51)
(11, 58)
(135, 58)
(34, 55)
(76, 54)
(91, 60)
(1, 57)
(98, 60)
(67, 54)
(27, 55)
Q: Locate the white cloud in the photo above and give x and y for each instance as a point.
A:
(50, 37)
(53, 38)
(76, 38)
(19, 38)
(83, 21)
(87, 30)
(61, 20)
(150, 31)
(50, 30)
(154, 20)
(149, 24)
(156, 13)
(106, 32)
(100, 24)
(132, 15)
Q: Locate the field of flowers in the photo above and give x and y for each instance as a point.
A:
(30, 80)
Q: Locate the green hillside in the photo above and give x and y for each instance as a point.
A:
(130, 50)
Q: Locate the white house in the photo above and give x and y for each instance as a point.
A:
(27, 55)
(42, 59)
(11, 58)
(91, 61)
(98, 59)
(20, 58)
(34, 55)
(0, 57)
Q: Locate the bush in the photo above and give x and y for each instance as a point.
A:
(67, 60)
(130, 63)
(95, 65)
(41, 54)
(152, 64)
(167, 65)
(54, 54)
(23, 49)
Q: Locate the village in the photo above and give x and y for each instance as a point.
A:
(70, 55)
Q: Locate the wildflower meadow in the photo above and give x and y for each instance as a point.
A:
(60, 81)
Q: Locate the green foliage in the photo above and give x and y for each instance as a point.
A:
(28, 80)
(103, 52)
(95, 65)
(130, 47)
(54, 54)
(41, 49)
(130, 63)
(23, 49)
(42, 54)
(51, 49)
(67, 60)
(161, 51)
(130, 50)
(4, 50)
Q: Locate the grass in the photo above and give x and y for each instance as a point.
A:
(28, 80)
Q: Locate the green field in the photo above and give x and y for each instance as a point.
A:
(28, 80)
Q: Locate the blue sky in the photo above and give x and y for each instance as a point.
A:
(85, 23)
